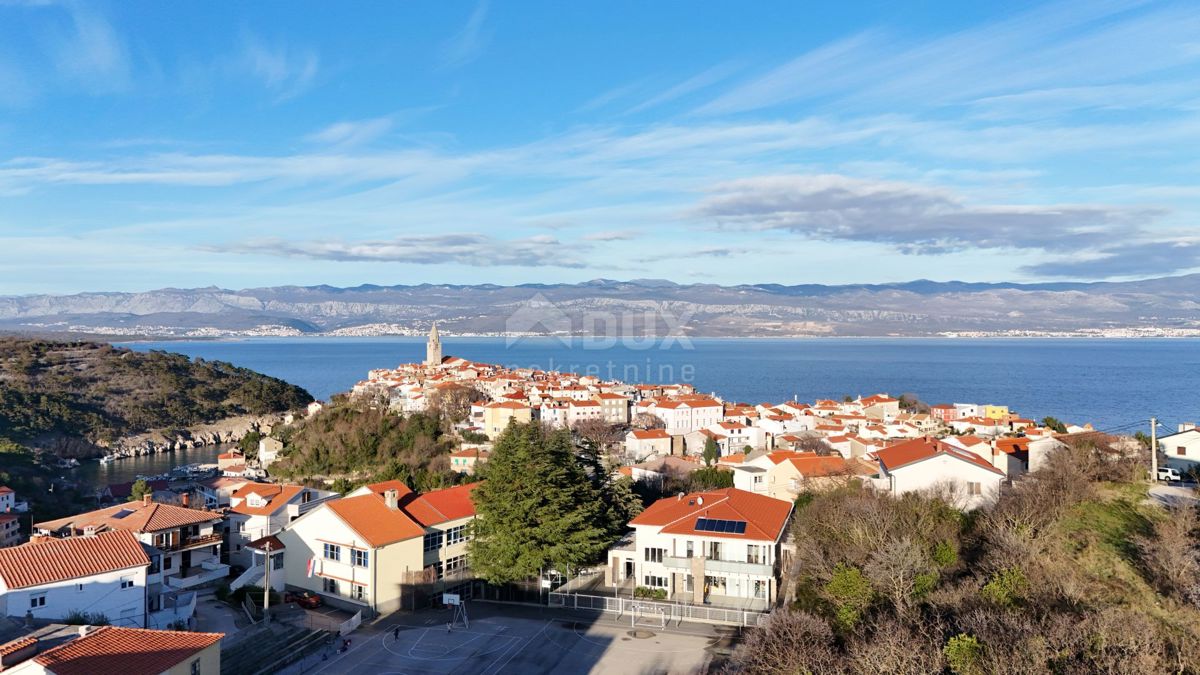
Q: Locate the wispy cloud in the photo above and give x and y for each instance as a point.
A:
(611, 235)
(90, 52)
(691, 85)
(465, 249)
(286, 71)
(913, 218)
(1124, 260)
(469, 42)
(351, 133)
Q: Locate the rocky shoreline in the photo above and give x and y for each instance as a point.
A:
(230, 430)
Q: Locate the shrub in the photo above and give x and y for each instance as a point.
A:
(78, 618)
(1006, 587)
(850, 593)
(963, 654)
(923, 584)
(944, 554)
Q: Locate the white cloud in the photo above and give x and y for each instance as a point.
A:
(468, 43)
(284, 70)
(351, 133)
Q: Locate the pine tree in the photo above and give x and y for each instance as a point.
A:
(537, 509)
(711, 452)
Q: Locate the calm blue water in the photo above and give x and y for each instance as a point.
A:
(1107, 382)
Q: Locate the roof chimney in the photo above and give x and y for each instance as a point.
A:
(185, 499)
(147, 498)
(392, 499)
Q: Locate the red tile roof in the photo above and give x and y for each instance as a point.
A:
(649, 434)
(765, 517)
(275, 497)
(371, 518)
(441, 506)
(815, 467)
(906, 452)
(398, 485)
(133, 516)
(110, 650)
(51, 560)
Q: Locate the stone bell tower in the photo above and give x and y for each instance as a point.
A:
(433, 348)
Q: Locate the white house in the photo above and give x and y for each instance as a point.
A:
(641, 443)
(1182, 449)
(101, 574)
(257, 510)
(685, 414)
(926, 464)
(718, 546)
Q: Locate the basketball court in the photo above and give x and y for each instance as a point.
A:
(515, 639)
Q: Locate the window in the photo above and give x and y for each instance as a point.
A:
(455, 535)
(689, 583)
(196, 667)
(330, 586)
(241, 526)
(689, 549)
(655, 554)
(455, 564)
(438, 569)
(78, 588)
(359, 558)
(168, 562)
(974, 488)
(714, 550)
(654, 581)
(36, 601)
(126, 582)
(276, 561)
(333, 552)
(760, 589)
(433, 540)
(358, 591)
(754, 554)
(1181, 450)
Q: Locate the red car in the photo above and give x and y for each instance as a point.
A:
(305, 599)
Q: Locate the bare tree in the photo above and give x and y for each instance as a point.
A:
(599, 434)
(894, 569)
(791, 642)
(896, 647)
(1170, 554)
(453, 403)
(648, 421)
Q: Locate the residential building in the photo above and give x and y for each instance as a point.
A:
(467, 460)
(641, 443)
(880, 407)
(186, 542)
(615, 407)
(684, 414)
(257, 510)
(943, 413)
(268, 451)
(718, 546)
(787, 479)
(966, 480)
(499, 414)
(1182, 449)
(102, 574)
(381, 546)
(112, 650)
(996, 412)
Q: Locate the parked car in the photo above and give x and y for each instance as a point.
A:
(1169, 473)
(305, 599)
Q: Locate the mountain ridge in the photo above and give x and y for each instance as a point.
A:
(634, 307)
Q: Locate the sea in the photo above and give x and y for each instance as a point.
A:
(1115, 384)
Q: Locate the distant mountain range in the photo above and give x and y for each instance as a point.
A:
(1164, 306)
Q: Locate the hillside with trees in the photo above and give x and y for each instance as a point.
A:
(1075, 570)
(68, 396)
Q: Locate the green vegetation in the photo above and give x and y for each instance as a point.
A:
(1055, 424)
(138, 490)
(73, 394)
(542, 505)
(650, 593)
(357, 442)
(1075, 570)
(711, 452)
(79, 618)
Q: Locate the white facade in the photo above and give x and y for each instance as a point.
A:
(120, 596)
(732, 569)
(970, 485)
(1182, 450)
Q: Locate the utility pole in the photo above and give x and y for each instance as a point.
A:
(1154, 449)
(267, 587)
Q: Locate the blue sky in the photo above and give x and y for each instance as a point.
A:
(148, 144)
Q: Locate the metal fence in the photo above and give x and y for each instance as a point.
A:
(349, 625)
(675, 612)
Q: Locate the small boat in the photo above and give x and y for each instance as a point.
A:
(108, 459)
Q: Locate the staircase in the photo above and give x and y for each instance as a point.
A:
(269, 648)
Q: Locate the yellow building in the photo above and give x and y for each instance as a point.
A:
(382, 547)
(499, 414)
(995, 412)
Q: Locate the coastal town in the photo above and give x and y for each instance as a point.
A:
(236, 571)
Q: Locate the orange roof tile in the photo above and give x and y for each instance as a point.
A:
(442, 506)
(133, 516)
(765, 517)
(648, 434)
(906, 452)
(275, 496)
(370, 517)
(51, 560)
(110, 650)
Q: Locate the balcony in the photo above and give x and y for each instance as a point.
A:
(722, 566)
(195, 541)
(199, 575)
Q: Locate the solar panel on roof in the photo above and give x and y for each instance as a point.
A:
(122, 514)
(720, 526)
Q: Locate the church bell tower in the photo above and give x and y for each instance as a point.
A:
(433, 348)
